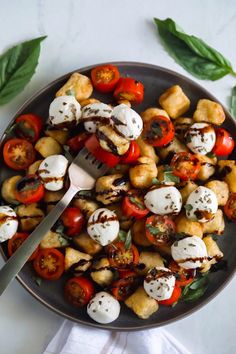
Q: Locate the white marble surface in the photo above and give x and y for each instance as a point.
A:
(86, 32)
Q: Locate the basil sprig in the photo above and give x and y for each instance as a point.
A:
(192, 53)
(125, 237)
(196, 289)
(233, 102)
(17, 66)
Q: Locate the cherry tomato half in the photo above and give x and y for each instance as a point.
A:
(174, 297)
(129, 89)
(105, 77)
(93, 146)
(160, 229)
(29, 189)
(186, 166)
(183, 276)
(224, 144)
(73, 220)
(78, 291)
(49, 263)
(158, 131)
(132, 154)
(16, 241)
(18, 154)
(124, 287)
(120, 257)
(230, 207)
(77, 142)
(133, 205)
(28, 126)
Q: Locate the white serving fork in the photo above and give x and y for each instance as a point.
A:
(83, 172)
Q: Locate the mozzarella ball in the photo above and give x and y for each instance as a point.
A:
(164, 200)
(8, 223)
(190, 252)
(103, 226)
(64, 112)
(127, 122)
(201, 204)
(103, 308)
(200, 138)
(159, 283)
(52, 171)
(95, 113)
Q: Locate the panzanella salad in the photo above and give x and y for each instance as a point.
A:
(146, 234)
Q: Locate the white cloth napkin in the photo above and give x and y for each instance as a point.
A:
(75, 339)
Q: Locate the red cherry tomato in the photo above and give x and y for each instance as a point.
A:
(120, 257)
(132, 154)
(93, 146)
(129, 89)
(186, 166)
(105, 77)
(16, 241)
(77, 142)
(29, 189)
(73, 220)
(158, 131)
(183, 276)
(49, 264)
(224, 144)
(18, 154)
(160, 229)
(124, 287)
(78, 291)
(230, 207)
(174, 297)
(133, 205)
(29, 126)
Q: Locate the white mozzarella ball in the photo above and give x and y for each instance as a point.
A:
(103, 308)
(8, 223)
(127, 122)
(164, 200)
(95, 113)
(190, 252)
(201, 138)
(201, 204)
(64, 112)
(159, 283)
(103, 226)
(52, 171)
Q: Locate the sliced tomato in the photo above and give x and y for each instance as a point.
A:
(132, 154)
(93, 146)
(174, 297)
(183, 276)
(158, 131)
(16, 241)
(29, 189)
(122, 258)
(224, 144)
(133, 205)
(29, 126)
(160, 229)
(124, 287)
(49, 263)
(129, 89)
(230, 207)
(186, 166)
(78, 291)
(77, 142)
(73, 220)
(18, 154)
(105, 77)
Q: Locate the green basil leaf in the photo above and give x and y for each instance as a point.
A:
(153, 229)
(17, 66)
(63, 241)
(137, 203)
(188, 207)
(196, 294)
(211, 155)
(122, 235)
(192, 53)
(196, 289)
(170, 177)
(233, 102)
(38, 280)
(128, 240)
(155, 181)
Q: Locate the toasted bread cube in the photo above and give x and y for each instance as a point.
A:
(207, 166)
(142, 305)
(151, 112)
(190, 227)
(90, 100)
(78, 85)
(143, 172)
(53, 240)
(33, 168)
(228, 169)
(216, 225)
(101, 273)
(8, 189)
(86, 243)
(30, 215)
(221, 190)
(87, 206)
(186, 188)
(213, 251)
(150, 260)
(139, 233)
(73, 256)
(61, 136)
(48, 146)
(174, 101)
(209, 111)
(172, 148)
(147, 150)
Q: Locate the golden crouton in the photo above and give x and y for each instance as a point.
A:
(221, 190)
(174, 101)
(142, 305)
(78, 85)
(209, 112)
(216, 225)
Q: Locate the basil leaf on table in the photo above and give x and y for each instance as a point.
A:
(17, 66)
(192, 53)
(233, 102)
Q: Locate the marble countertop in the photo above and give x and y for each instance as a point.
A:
(81, 33)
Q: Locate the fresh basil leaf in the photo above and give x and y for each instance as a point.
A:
(214, 237)
(233, 102)
(38, 280)
(180, 235)
(192, 53)
(137, 203)
(167, 168)
(196, 294)
(128, 240)
(196, 289)
(28, 132)
(155, 181)
(17, 66)
(63, 241)
(170, 177)
(153, 230)
(122, 235)
(188, 207)
(211, 155)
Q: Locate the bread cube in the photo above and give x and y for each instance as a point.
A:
(142, 305)
(48, 146)
(78, 85)
(73, 257)
(174, 101)
(101, 273)
(186, 188)
(228, 169)
(190, 227)
(216, 225)
(221, 190)
(150, 260)
(213, 251)
(209, 111)
(151, 112)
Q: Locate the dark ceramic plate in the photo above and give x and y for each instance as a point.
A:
(156, 80)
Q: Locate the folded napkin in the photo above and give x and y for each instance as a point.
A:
(75, 339)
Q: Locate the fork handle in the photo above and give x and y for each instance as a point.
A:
(20, 257)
